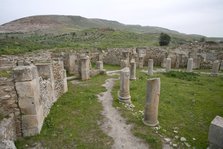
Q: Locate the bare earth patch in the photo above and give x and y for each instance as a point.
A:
(114, 125)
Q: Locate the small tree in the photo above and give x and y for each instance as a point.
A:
(164, 39)
(202, 39)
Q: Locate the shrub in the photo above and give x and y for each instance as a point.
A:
(189, 76)
(164, 39)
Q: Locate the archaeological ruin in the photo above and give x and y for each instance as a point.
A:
(37, 81)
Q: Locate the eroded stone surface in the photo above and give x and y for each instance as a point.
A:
(124, 92)
(215, 135)
(152, 102)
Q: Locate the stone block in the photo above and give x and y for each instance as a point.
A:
(32, 124)
(45, 70)
(25, 73)
(221, 66)
(99, 65)
(65, 82)
(215, 135)
(124, 92)
(29, 96)
(215, 68)
(7, 144)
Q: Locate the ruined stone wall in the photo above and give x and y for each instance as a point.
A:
(46, 86)
(9, 106)
(10, 118)
(59, 76)
(156, 54)
(26, 98)
(113, 56)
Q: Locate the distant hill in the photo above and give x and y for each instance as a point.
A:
(57, 31)
(58, 24)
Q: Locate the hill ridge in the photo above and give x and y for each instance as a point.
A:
(69, 23)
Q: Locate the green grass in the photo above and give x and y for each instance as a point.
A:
(16, 43)
(74, 120)
(188, 76)
(5, 73)
(187, 101)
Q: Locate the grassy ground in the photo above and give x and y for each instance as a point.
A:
(188, 103)
(4, 73)
(74, 120)
(16, 43)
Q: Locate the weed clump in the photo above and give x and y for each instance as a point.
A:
(188, 76)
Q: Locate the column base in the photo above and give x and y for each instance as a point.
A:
(149, 124)
(132, 78)
(125, 99)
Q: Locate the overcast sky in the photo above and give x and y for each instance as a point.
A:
(203, 17)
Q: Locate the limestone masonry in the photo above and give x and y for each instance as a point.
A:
(37, 80)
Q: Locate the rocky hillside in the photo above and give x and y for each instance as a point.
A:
(63, 24)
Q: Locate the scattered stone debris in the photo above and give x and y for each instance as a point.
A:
(167, 140)
(182, 139)
(187, 144)
(176, 137)
(174, 145)
(175, 131)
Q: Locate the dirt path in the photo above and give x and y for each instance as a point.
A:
(114, 125)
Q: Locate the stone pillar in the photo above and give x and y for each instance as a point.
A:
(47, 92)
(168, 64)
(132, 70)
(28, 90)
(99, 65)
(124, 63)
(215, 135)
(163, 64)
(124, 93)
(65, 86)
(221, 67)
(150, 67)
(85, 70)
(100, 57)
(190, 65)
(141, 61)
(125, 55)
(215, 68)
(152, 102)
(69, 63)
(58, 74)
(178, 60)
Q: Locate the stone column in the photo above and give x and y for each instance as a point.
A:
(168, 64)
(163, 64)
(215, 135)
(190, 65)
(150, 67)
(215, 68)
(100, 57)
(28, 90)
(132, 70)
(124, 63)
(125, 55)
(85, 70)
(178, 60)
(152, 102)
(141, 60)
(71, 63)
(99, 65)
(124, 93)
